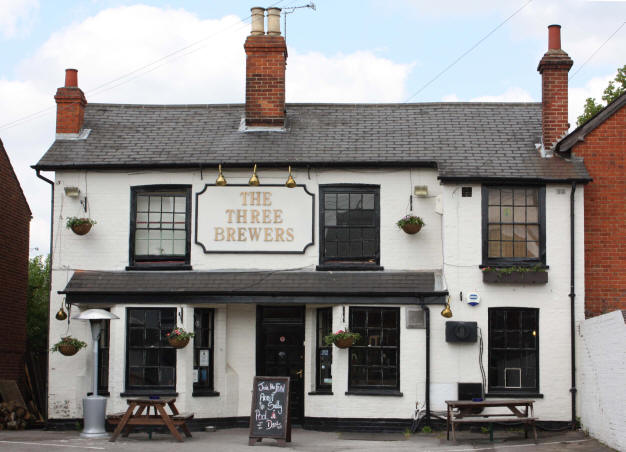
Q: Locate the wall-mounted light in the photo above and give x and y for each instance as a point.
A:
(221, 180)
(291, 182)
(72, 192)
(254, 179)
(421, 191)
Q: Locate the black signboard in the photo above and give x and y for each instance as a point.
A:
(269, 417)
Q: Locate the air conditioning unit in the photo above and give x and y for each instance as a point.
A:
(415, 318)
(461, 331)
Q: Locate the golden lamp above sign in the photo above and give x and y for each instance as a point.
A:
(245, 219)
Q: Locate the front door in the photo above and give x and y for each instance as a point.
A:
(280, 350)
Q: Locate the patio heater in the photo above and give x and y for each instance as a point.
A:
(94, 406)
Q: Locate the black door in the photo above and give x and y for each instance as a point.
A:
(280, 350)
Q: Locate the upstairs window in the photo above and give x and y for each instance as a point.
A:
(349, 226)
(514, 230)
(160, 225)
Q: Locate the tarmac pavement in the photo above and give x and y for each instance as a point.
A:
(302, 440)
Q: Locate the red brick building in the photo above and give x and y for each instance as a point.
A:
(602, 143)
(14, 230)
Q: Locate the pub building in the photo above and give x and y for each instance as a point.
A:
(266, 226)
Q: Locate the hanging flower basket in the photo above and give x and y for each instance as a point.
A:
(80, 226)
(68, 346)
(344, 343)
(412, 228)
(342, 339)
(179, 338)
(410, 224)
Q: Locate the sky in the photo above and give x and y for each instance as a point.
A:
(182, 52)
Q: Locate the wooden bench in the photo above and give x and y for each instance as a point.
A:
(138, 414)
(464, 412)
(486, 419)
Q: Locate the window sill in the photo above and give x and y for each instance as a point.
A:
(349, 267)
(148, 392)
(375, 392)
(321, 393)
(515, 277)
(515, 395)
(205, 393)
(152, 267)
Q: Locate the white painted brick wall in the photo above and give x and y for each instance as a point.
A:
(450, 244)
(603, 378)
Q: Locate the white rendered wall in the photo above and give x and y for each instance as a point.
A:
(602, 360)
(450, 243)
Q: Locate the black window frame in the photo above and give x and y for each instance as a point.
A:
(209, 388)
(348, 262)
(162, 345)
(165, 261)
(492, 388)
(103, 357)
(365, 345)
(321, 332)
(514, 261)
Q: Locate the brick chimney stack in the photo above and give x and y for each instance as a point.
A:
(71, 103)
(266, 58)
(554, 67)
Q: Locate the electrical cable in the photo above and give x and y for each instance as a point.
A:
(447, 68)
(105, 86)
(596, 51)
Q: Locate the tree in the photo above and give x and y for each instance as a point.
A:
(615, 89)
(37, 305)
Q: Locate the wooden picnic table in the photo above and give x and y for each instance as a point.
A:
(519, 411)
(138, 414)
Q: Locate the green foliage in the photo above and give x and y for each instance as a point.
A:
(484, 429)
(409, 219)
(37, 303)
(341, 334)
(427, 429)
(75, 221)
(69, 340)
(180, 333)
(615, 89)
(514, 269)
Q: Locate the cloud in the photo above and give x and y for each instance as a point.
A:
(16, 16)
(209, 70)
(577, 95)
(357, 77)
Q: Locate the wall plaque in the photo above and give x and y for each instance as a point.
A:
(263, 219)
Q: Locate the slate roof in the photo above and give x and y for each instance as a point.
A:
(463, 140)
(387, 283)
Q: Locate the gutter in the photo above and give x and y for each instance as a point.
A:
(427, 319)
(45, 179)
(572, 296)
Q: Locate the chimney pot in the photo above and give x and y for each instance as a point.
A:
(273, 21)
(554, 37)
(71, 78)
(258, 19)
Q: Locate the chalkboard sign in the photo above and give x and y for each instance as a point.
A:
(269, 417)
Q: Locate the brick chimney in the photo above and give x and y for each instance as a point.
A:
(266, 58)
(554, 67)
(71, 103)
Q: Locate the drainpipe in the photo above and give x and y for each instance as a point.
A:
(45, 407)
(427, 319)
(572, 296)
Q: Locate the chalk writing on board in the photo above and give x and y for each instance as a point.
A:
(269, 417)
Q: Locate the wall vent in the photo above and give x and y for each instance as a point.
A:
(415, 318)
